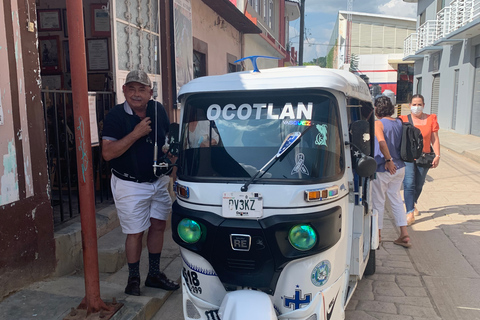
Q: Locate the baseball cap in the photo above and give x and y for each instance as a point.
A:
(138, 76)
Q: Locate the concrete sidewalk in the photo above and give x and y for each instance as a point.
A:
(54, 298)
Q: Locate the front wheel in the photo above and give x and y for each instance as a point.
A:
(370, 268)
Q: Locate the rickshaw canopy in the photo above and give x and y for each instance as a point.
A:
(300, 77)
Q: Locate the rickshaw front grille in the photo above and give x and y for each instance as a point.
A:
(241, 264)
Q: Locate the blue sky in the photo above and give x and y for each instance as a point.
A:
(320, 17)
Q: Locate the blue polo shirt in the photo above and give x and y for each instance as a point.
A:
(137, 161)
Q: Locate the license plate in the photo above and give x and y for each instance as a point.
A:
(242, 205)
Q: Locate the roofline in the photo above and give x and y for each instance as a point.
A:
(376, 15)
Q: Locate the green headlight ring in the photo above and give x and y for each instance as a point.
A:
(302, 237)
(189, 230)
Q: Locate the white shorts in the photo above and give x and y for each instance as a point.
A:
(136, 203)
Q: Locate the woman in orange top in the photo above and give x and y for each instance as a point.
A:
(415, 175)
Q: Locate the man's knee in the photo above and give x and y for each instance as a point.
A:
(157, 225)
(135, 236)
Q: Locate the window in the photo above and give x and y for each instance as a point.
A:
(422, 18)
(231, 136)
(404, 83)
(440, 5)
(200, 50)
(231, 65)
(419, 85)
(199, 64)
(271, 14)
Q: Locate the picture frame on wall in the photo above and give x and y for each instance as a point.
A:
(49, 50)
(100, 20)
(96, 81)
(66, 55)
(65, 26)
(49, 20)
(97, 55)
(52, 82)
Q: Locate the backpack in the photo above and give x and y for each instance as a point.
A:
(412, 141)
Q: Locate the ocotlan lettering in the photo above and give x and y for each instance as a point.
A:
(246, 111)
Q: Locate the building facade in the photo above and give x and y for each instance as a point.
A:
(446, 51)
(372, 46)
(173, 41)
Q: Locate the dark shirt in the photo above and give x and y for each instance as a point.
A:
(137, 161)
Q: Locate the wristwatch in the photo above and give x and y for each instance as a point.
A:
(388, 160)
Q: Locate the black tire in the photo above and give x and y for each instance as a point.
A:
(370, 268)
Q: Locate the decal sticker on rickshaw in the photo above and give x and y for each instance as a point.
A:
(212, 315)
(305, 123)
(321, 273)
(197, 269)
(298, 300)
(245, 111)
(193, 283)
(321, 139)
(331, 306)
(299, 165)
(366, 137)
(342, 187)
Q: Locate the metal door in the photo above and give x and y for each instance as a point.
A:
(435, 93)
(475, 124)
(455, 99)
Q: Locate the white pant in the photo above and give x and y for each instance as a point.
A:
(136, 203)
(388, 185)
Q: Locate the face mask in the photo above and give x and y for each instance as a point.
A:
(416, 110)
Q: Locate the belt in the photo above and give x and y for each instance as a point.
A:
(127, 177)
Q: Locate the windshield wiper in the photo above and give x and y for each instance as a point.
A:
(290, 141)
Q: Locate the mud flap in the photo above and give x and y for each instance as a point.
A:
(247, 304)
(375, 238)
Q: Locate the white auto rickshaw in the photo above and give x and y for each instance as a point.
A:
(273, 212)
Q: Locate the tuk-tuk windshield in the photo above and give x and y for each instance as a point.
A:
(231, 136)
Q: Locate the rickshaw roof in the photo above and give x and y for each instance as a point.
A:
(300, 77)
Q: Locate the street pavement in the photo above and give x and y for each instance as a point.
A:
(438, 278)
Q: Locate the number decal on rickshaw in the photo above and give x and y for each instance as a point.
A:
(193, 283)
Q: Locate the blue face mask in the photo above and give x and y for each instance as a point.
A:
(417, 110)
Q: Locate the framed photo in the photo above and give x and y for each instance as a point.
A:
(97, 53)
(66, 55)
(49, 49)
(96, 81)
(100, 19)
(67, 81)
(52, 82)
(49, 20)
(65, 26)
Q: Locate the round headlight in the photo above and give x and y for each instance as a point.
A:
(302, 237)
(189, 230)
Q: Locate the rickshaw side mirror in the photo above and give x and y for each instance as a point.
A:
(366, 166)
(360, 136)
(173, 139)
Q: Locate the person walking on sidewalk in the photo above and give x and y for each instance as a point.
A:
(141, 198)
(414, 174)
(390, 168)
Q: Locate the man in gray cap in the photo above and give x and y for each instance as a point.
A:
(141, 196)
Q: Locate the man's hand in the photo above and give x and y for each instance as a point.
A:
(143, 128)
(114, 149)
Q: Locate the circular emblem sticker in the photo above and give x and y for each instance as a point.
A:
(321, 273)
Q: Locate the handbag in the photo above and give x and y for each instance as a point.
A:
(426, 159)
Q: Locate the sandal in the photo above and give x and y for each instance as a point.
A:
(401, 242)
(410, 219)
(416, 212)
